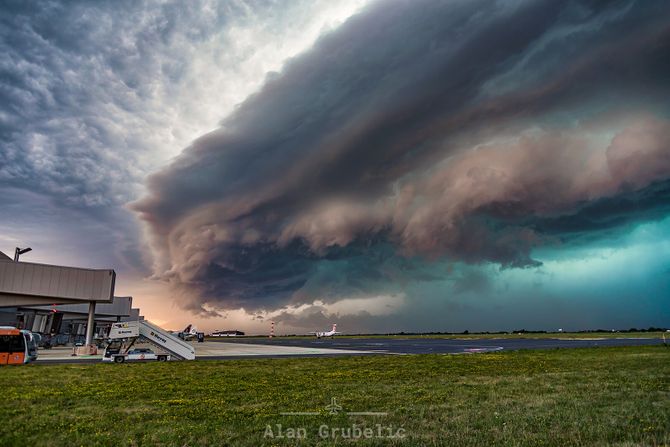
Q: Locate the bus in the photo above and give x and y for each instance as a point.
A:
(14, 347)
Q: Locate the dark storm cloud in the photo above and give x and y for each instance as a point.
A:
(413, 133)
(609, 215)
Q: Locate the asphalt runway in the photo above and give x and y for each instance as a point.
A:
(444, 346)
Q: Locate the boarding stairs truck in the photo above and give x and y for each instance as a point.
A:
(123, 336)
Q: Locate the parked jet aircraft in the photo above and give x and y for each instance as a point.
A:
(188, 333)
(330, 333)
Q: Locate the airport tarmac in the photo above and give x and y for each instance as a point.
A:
(240, 348)
(212, 350)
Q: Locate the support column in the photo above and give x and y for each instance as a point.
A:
(90, 325)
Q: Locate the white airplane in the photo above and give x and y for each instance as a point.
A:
(188, 333)
(330, 333)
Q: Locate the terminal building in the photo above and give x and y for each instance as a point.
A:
(70, 303)
(68, 322)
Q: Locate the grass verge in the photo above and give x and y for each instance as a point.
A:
(600, 396)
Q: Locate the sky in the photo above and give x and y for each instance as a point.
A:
(386, 165)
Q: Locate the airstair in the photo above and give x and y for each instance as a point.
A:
(131, 331)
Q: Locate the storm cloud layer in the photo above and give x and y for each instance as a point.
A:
(418, 136)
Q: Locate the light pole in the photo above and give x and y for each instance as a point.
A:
(19, 251)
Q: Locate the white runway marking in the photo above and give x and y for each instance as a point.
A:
(484, 349)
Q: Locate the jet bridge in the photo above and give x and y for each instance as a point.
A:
(131, 331)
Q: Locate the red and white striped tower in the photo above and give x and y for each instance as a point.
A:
(272, 329)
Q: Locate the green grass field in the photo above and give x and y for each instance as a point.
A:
(600, 396)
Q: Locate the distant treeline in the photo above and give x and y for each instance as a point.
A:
(588, 331)
(526, 331)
